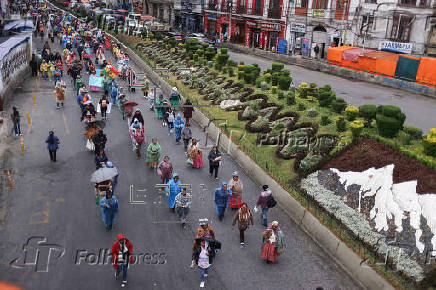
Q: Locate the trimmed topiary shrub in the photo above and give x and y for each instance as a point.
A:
(286, 73)
(338, 105)
(210, 53)
(224, 69)
(231, 62)
(280, 94)
(290, 98)
(223, 50)
(312, 113)
(195, 56)
(172, 42)
(356, 127)
(267, 77)
(404, 138)
(231, 71)
(301, 107)
(218, 66)
(390, 120)
(302, 90)
(351, 112)
(274, 89)
(275, 78)
(414, 132)
(341, 125)
(221, 59)
(325, 120)
(368, 112)
(284, 82)
(264, 86)
(258, 82)
(248, 77)
(325, 98)
(241, 63)
(240, 75)
(277, 66)
(429, 143)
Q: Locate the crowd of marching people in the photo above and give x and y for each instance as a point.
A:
(86, 50)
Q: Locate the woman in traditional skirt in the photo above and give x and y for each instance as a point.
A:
(273, 243)
(195, 154)
(153, 154)
(236, 186)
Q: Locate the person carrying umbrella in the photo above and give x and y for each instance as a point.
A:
(128, 107)
(153, 154)
(109, 164)
(173, 191)
(109, 209)
(221, 198)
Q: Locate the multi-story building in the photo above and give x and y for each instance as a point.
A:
(320, 22)
(188, 15)
(257, 23)
(407, 26)
(160, 9)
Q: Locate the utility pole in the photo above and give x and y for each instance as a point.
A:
(230, 4)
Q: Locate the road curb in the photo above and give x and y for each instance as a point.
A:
(344, 256)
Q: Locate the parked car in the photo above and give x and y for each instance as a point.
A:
(176, 35)
(130, 24)
(139, 30)
(108, 11)
(119, 19)
(199, 36)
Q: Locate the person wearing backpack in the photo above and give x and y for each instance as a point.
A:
(244, 218)
(264, 202)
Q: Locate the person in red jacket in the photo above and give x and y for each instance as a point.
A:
(121, 256)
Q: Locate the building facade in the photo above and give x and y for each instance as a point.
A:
(160, 9)
(253, 23)
(407, 26)
(188, 15)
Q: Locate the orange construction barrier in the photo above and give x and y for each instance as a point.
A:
(334, 54)
(385, 63)
(426, 71)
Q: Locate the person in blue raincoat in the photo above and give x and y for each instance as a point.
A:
(109, 209)
(173, 191)
(221, 198)
(178, 126)
(114, 93)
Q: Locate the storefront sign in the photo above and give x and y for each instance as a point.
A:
(251, 24)
(267, 27)
(211, 17)
(297, 27)
(224, 20)
(318, 13)
(305, 45)
(395, 47)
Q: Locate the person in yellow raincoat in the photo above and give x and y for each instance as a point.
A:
(43, 69)
(65, 53)
(50, 69)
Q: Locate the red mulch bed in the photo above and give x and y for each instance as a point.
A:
(371, 153)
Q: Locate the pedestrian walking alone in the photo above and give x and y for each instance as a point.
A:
(187, 111)
(221, 198)
(244, 218)
(236, 186)
(109, 209)
(169, 119)
(186, 136)
(103, 107)
(203, 256)
(52, 145)
(165, 170)
(173, 191)
(34, 65)
(15, 116)
(262, 201)
(99, 140)
(214, 161)
(153, 154)
(100, 159)
(178, 126)
(150, 97)
(273, 243)
(121, 252)
(183, 204)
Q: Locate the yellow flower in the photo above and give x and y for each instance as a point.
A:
(352, 109)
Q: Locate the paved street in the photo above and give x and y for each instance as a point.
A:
(56, 202)
(420, 110)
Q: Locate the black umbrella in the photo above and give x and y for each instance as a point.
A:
(213, 244)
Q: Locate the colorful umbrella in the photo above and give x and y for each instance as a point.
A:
(130, 103)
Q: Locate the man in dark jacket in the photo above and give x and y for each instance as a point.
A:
(214, 161)
(75, 71)
(99, 141)
(122, 250)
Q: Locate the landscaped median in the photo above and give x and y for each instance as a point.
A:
(293, 132)
(299, 135)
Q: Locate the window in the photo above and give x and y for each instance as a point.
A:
(301, 3)
(367, 23)
(319, 4)
(401, 26)
(371, 1)
(342, 8)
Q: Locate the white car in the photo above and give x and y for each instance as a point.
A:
(130, 25)
(138, 30)
(199, 36)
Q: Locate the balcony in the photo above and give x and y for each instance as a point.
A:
(415, 3)
(258, 11)
(241, 9)
(274, 13)
(225, 8)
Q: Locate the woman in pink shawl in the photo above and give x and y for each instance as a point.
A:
(195, 154)
(165, 170)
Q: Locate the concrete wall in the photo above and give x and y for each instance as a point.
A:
(349, 260)
(336, 70)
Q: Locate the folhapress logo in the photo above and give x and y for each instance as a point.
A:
(38, 254)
